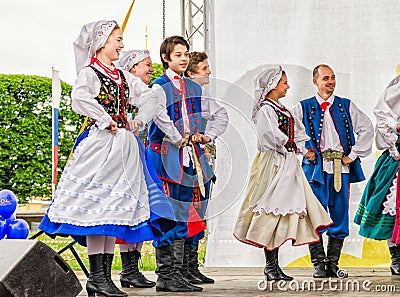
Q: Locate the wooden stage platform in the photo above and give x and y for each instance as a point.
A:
(246, 282)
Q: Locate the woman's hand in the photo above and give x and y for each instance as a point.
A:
(113, 127)
(134, 125)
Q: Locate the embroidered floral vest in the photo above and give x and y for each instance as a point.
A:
(114, 98)
(285, 124)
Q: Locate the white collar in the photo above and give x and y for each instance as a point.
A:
(171, 75)
(320, 100)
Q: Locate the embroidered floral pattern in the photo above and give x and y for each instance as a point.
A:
(104, 29)
(113, 98)
(285, 123)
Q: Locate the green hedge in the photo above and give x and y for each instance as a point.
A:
(25, 134)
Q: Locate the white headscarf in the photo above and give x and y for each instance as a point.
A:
(129, 58)
(266, 81)
(92, 38)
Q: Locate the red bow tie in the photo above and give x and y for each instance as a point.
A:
(177, 77)
(181, 81)
(324, 105)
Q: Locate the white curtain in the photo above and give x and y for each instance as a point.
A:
(358, 39)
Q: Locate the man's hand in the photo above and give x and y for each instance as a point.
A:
(346, 160)
(207, 153)
(200, 138)
(206, 139)
(310, 156)
(181, 143)
(396, 158)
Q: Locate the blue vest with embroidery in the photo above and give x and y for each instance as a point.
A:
(313, 118)
(166, 157)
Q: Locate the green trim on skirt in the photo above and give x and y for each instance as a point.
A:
(374, 224)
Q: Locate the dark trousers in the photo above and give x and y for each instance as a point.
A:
(181, 197)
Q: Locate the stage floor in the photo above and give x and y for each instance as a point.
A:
(248, 282)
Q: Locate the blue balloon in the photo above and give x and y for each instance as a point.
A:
(11, 218)
(17, 229)
(8, 203)
(3, 229)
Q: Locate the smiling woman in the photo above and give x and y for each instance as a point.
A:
(108, 188)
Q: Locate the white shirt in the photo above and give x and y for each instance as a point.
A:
(362, 127)
(216, 115)
(329, 138)
(270, 137)
(87, 88)
(387, 113)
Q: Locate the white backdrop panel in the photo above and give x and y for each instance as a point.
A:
(359, 39)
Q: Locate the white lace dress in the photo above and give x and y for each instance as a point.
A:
(103, 189)
(279, 203)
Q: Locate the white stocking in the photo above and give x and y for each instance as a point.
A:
(95, 244)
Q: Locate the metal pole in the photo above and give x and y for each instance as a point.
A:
(189, 29)
(183, 18)
(163, 18)
(205, 24)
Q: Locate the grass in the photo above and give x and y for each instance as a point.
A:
(147, 263)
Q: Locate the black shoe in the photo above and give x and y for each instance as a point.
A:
(331, 269)
(130, 275)
(187, 275)
(204, 279)
(193, 265)
(282, 275)
(279, 271)
(319, 270)
(179, 255)
(181, 279)
(270, 269)
(395, 265)
(97, 281)
(333, 255)
(166, 280)
(318, 258)
(107, 262)
(172, 285)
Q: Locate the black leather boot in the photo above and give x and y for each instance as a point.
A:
(193, 263)
(179, 251)
(270, 269)
(333, 255)
(281, 274)
(130, 275)
(187, 275)
(97, 281)
(107, 262)
(318, 258)
(166, 281)
(395, 254)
